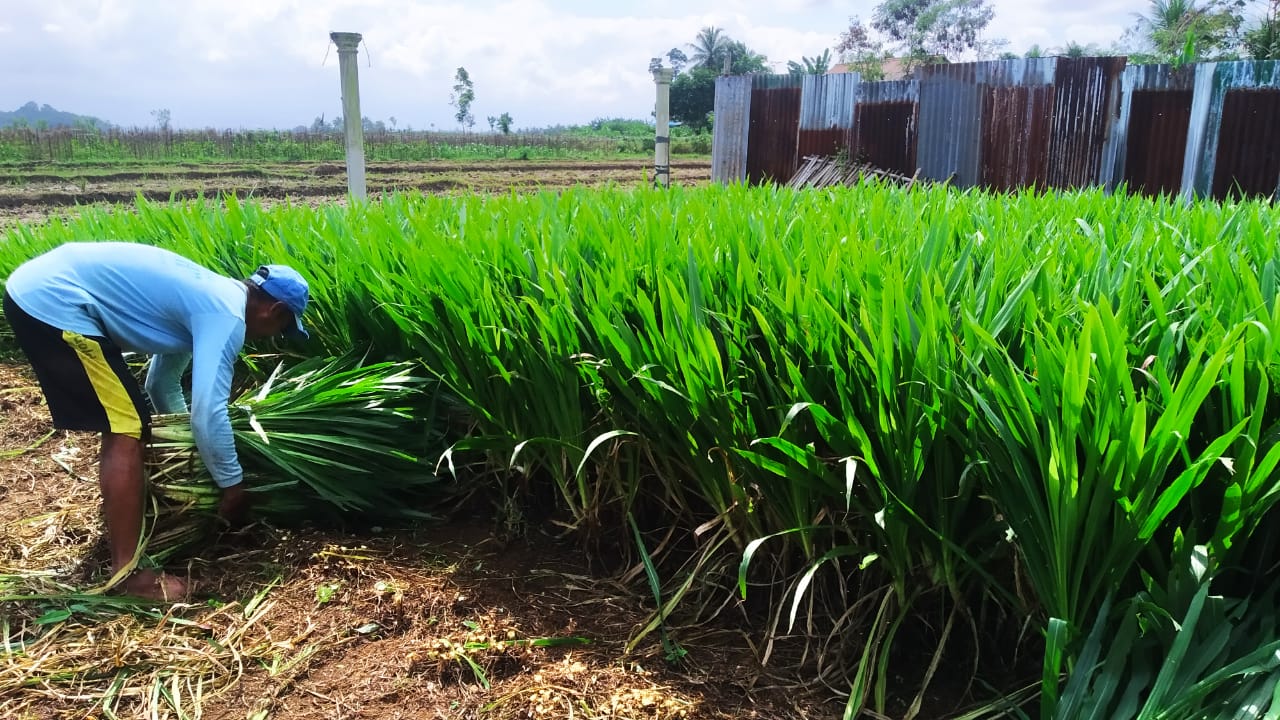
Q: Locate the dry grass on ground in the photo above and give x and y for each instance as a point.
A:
(441, 622)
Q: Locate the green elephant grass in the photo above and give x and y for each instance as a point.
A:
(851, 402)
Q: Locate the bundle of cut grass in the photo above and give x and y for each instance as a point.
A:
(325, 438)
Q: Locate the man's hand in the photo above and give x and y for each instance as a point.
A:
(234, 507)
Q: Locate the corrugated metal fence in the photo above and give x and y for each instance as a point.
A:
(1211, 129)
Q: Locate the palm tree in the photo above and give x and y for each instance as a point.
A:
(709, 48)
(1074, 49)
(1262, 41)
(1168, 23)
(811, 65)
(1166, 19)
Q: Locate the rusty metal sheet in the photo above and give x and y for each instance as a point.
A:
(885, 130)
(886, 136)
(826, 112)
(952, 98)
(1016, 127)
(775, 124)
(1248, 157)
(729, 140)
(1093, 120)
(1086, 106)
(1156, 141)
(1016, 122)
(1155, 123)
(821, 142)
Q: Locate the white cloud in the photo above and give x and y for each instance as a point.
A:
(254, 63)
(1053, 24)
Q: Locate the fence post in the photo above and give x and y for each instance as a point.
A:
(348, 66)
(662, 128)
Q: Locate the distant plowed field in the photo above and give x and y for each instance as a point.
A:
(32, 193)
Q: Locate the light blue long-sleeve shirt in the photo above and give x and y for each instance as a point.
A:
(149, 300)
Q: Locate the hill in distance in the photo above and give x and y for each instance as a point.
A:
(39, 116)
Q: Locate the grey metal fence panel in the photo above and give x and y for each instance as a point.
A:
(1195, 177)
(827, 105)
(1201, 175)
(1211, 129)
(828, 100)
(891, 91)
(949, 124)
(1017, 71)
(729, 147)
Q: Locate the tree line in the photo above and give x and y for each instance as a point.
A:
(915, 32)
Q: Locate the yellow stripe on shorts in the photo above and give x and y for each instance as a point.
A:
(122, 416)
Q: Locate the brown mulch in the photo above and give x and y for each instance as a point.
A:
(433, 622)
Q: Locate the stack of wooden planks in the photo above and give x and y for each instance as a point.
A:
(826, 170)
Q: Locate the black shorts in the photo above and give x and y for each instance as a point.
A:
(84, 378)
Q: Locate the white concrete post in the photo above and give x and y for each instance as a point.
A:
(662, 129)
(348, 65)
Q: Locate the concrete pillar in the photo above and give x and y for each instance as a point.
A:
(348, 65)
(662, 130)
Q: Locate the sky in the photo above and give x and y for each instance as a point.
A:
(270, 64)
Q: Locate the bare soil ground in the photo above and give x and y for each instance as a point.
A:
(34, 193)
(429, 622)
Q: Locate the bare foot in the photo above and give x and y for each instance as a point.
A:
(154, 586)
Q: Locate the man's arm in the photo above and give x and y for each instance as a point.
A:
(164, 383)
(217, 341)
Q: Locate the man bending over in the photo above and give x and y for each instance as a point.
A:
(76, 308)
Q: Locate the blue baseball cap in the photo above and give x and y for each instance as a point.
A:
(285, 285)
